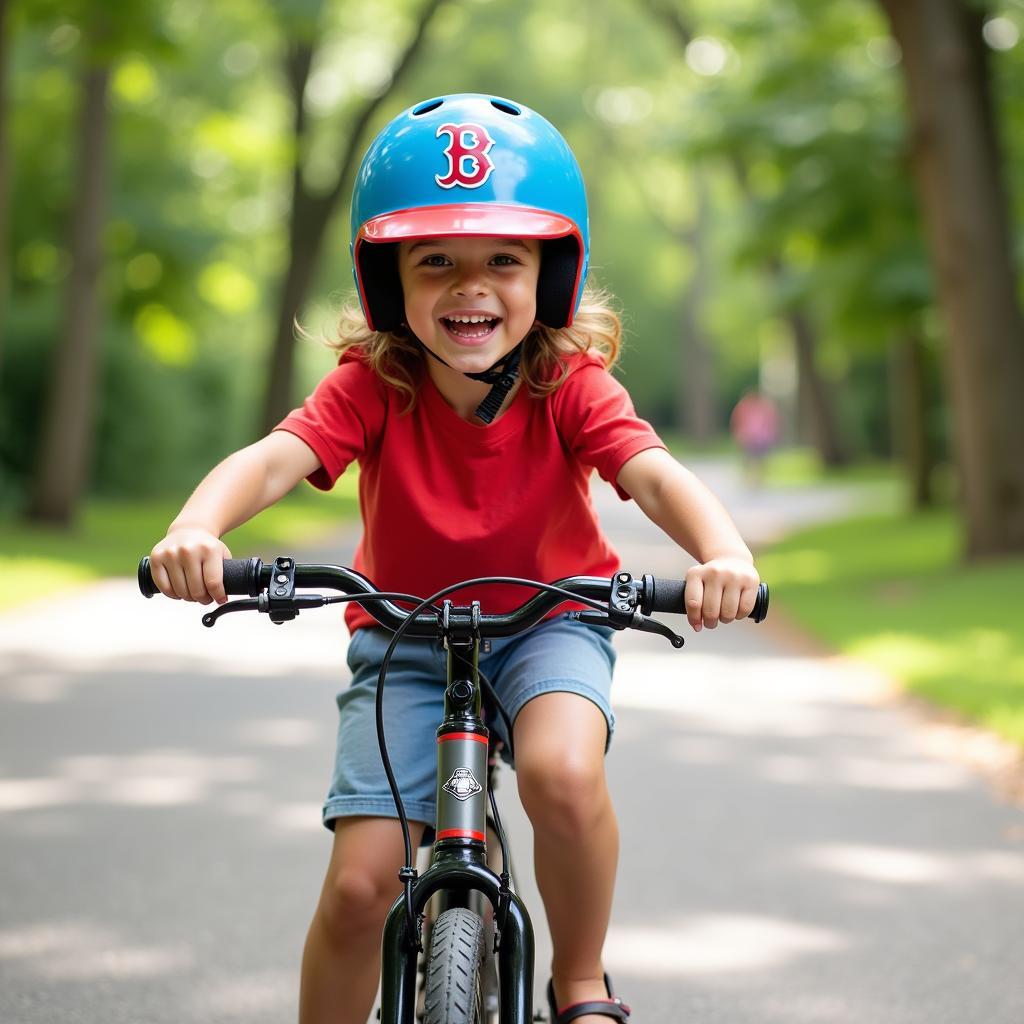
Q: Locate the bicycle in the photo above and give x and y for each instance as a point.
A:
(479, 953)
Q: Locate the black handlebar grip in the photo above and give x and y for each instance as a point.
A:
(146, 584)
(666, 595)
(670, 596)
(241, 576)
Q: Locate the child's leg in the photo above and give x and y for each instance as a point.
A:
(560, 743)
(341, 962)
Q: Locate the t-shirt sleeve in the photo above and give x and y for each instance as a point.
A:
(597, 421)
(341, 420)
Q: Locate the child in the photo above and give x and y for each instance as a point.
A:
(755, 427)
(473, 389)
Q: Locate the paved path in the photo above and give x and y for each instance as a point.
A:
(792, 851)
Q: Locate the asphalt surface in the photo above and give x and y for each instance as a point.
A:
(793, 850)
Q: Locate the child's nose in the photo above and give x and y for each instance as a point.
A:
(470, 281)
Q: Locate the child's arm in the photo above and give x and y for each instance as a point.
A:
(724, 586)
(187, 562)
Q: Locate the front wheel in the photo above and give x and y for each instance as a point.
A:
(454, 987)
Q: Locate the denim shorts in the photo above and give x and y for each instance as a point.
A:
(559, 655)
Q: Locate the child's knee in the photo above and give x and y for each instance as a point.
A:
(564, 793)
(356, 899)
(362, 878)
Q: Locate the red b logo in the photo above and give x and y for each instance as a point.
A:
(468, 162)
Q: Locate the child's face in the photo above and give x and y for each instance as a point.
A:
(448, 280)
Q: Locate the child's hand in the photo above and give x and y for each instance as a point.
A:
(721, 590)
(187, 565)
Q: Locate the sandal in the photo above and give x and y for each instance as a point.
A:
(612, 1007)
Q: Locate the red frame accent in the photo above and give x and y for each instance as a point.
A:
(459, 833)
(462, 736)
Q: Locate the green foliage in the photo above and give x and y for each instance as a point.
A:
(804, 96)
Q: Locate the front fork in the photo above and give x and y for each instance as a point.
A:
(515, 950)
(459, 862)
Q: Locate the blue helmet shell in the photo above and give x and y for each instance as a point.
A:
(469, 164)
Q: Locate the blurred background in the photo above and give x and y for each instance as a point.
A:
(817, 204)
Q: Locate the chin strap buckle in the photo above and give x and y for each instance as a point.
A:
(502, 381)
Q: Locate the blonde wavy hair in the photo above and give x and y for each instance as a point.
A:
(397, 358)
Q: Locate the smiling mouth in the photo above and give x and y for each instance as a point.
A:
(471, 331)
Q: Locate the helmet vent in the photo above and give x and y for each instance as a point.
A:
(506, 108)
(426, 108)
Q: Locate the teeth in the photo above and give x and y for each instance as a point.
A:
(470, 319)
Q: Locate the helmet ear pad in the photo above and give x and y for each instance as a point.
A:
(382, 286)
(556, 286)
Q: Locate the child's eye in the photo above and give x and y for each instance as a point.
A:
(435, 260)
(504, 260)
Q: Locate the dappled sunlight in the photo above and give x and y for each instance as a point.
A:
(734, 695)
(32, 794)
(978, 672)
(34, 687)
(885, 773)
(716, 944)
(969, 651)
(900, 774)
(171, 638)
(75, 951)
(902, 654)
(721, 699)
(700, 750)
(295, 817)
(154, 779)
(276, 732)
(899, 866)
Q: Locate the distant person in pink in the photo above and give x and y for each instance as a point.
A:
(755, 428)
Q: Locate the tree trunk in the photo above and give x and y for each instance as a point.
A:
(68, 424)
(956, 164)
(696, 405)
(311, 215)
(910, 408)
(815, 408)
(5, 173)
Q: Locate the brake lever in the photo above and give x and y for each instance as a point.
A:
(250, 603)
(637, 621)
(279, 611)
(646, 625)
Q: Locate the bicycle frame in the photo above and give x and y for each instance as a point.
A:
(458, 865)
(459, 862)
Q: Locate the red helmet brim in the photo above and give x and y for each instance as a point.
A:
(462, 219)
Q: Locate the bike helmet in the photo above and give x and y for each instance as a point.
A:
(469, 164)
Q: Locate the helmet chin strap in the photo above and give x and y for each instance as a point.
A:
(502, 381)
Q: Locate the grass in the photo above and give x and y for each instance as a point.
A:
(892, 590)
(113, 535)
(799, 466)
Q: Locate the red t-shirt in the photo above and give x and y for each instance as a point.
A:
(443, 499)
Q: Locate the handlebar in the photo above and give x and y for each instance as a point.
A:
(627, 599)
